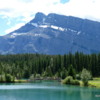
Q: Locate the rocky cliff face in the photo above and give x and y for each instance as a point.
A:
(53, 34)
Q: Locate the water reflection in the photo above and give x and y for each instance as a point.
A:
(46, 91)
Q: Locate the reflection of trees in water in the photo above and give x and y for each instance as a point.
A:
(49, 91)
(79, 93)
(86, 93)
(73, 93)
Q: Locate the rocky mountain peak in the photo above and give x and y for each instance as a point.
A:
(53, 34)
(39, 17)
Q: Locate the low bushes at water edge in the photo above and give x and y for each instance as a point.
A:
(69, 80)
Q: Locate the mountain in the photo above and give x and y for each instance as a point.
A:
(53, 34)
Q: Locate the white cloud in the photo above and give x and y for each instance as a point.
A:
(80, 8)
(83, 8)
(15, 8)
(14, 28)
(11, 9)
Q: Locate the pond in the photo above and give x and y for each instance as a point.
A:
(47, 90)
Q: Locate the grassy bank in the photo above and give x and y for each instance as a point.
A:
(91, 83)
(95, 82)
(21, 81)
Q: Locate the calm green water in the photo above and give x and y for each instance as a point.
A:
(46, 90)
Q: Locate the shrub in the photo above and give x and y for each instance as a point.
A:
(2, 78)
(8, 78)
(85, 76)
(70, 80)
(37, 76)
(32, 77)
(78, 77)
(75, 82)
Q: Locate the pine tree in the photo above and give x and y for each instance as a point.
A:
(71, 72)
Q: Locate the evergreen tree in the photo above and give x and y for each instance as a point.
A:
(71, 72)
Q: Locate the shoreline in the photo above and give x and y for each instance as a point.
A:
(92, 83)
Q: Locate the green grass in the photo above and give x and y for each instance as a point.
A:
(95, 82)
(96, 78)
(21, 81)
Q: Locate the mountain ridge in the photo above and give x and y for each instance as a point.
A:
(53, 34)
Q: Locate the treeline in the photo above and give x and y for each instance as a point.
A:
(24, 65)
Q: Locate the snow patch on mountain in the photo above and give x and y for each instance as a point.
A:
(43, 26)
(34, 24)
(14, 35)
(78, 32)
(54, 27)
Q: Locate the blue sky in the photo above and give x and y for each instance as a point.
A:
(15, 13)
(64, 1)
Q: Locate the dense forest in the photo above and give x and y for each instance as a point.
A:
(25, 65)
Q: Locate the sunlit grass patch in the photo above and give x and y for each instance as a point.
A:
(95, 82)
(92, 83)
(21, 81)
